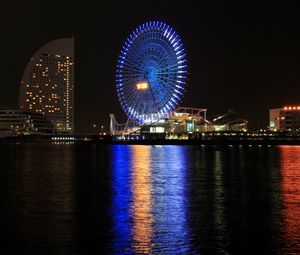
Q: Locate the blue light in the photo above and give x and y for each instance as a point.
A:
(173, 100)
(180, 57)
(147, 49)
(170, 103)
(176, 96)
(172, 36)
(177, 86)
(178, 52)
(176, 43)
(177, 91)
(178, 47)
(121, 198)
(170, 192)
(174, 39)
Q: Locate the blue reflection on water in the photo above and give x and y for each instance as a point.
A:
(169, 171)
(150, 200)
(121, 199)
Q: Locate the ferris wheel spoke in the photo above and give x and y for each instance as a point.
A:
(131, 79)
(132, 63)
(156, 100)
(129, 63)
(132, 103)
(166, 76)
(169, 84)
(130, 93)
(127, 68)
(171, 68)
(160, 100)
(125, 83)
(126, 77)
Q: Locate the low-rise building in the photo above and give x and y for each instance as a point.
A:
(20, 122)
(285, 119)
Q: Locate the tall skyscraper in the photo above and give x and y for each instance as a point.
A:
(47, 86)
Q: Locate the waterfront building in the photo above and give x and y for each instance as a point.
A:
(182, 122)
(285, 119)
(47, 85)
(16, 122)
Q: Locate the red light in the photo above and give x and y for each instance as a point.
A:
(291, 107)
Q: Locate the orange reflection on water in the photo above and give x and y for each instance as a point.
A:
(142, 200)
(290, 171)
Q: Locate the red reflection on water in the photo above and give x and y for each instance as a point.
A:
(290, 171)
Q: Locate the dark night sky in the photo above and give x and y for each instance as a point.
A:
(243, 57)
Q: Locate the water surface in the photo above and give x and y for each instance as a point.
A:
(93, 199)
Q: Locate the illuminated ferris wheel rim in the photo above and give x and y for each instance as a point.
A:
(152, 62)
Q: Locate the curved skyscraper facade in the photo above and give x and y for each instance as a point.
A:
(47, 86)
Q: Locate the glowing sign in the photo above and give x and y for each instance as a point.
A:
(142, 86)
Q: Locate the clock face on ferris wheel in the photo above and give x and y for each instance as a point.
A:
(151, 73)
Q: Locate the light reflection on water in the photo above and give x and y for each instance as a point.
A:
(121, 200)
(91, 199)
(186, 200)
(149, 200)
(219, 215)
(142, 199)
(290, 171)
(170, 199)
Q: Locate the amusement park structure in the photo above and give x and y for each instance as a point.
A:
(151, 81)
(183, 120)
(151, 73)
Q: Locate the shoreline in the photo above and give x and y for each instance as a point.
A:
(135, 140)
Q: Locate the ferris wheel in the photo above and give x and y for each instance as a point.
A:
(151, 73)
